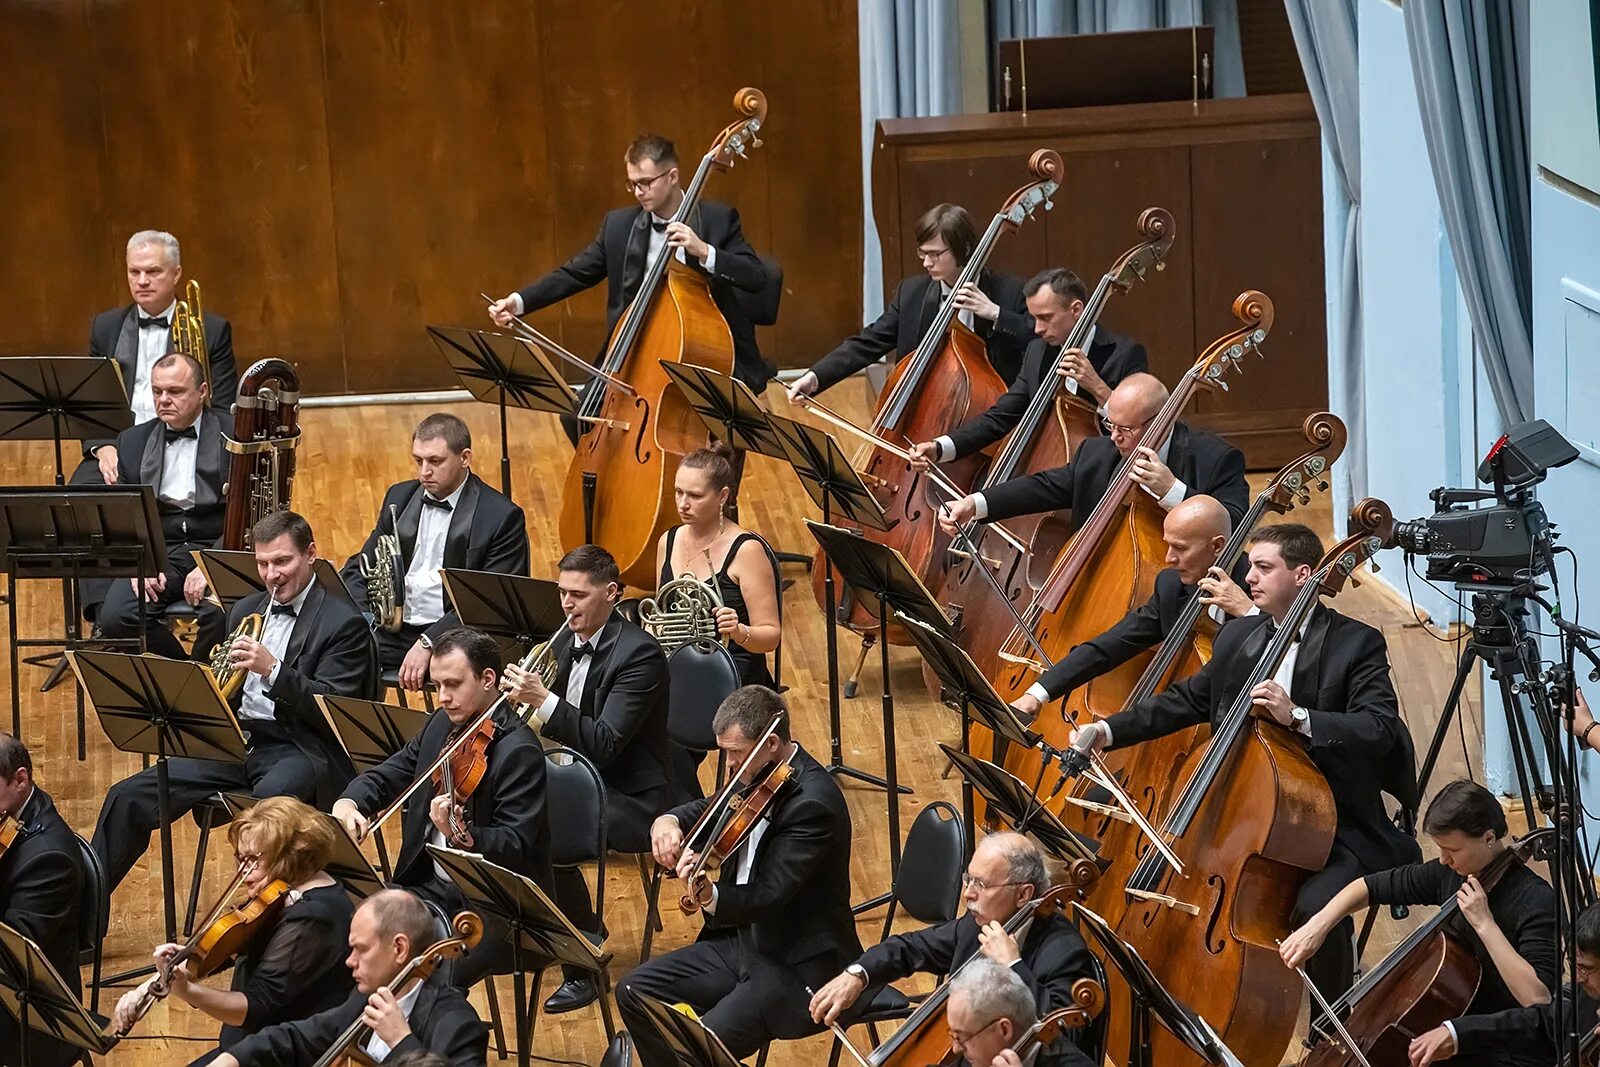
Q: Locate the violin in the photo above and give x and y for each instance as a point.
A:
(460, 775)
(10, 830)
(730, 817)
(468, 931)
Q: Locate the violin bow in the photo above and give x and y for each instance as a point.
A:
(843, 1037)
(525, 333)
(1332, 1016)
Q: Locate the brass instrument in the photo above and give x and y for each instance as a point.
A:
(261, 464)
(188, 330)
(385, 576)
(231, 681)
(540, 660)
(682, 612)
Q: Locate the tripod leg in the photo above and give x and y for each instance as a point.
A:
(1452, 703)
(852, 684)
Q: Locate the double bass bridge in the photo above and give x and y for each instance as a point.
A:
(1164, 900)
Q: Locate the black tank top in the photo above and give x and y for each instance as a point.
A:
(752, 665)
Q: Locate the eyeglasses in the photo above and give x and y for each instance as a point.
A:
(643, 184)
(960, 1041)
(1586, 970)
(250, 860)
(1127, 431)
(969, 882)
(931, 255)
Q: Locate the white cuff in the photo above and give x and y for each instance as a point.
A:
(980, 506)
(1038, 692)
(272, 675)
(546, 708)
(710, 262)
(1454, 1040)
(1101, 410)
(947, 448)
(711, 908)
(1304, 728)
(516, 303)
(1174, 496)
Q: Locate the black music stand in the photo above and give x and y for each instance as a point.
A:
(232, 576)
(829, 478)
(371, 731)
(728, 408)
(1150, 1001)
(69, 533)
(515, 610)
(51, 398)
(32, 991)
(498, 369)
(348, 866)
(540, 934)
(1011, 800)
(160, 707)
(692, 1042)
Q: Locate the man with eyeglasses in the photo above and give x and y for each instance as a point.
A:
(1005, 873)
(993, 307)
(1188, 462)
(988, 1014)
(710, 241)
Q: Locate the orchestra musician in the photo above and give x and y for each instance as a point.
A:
(389, 928)
(1195, 532)
(1582, 722)
(180, 453)
(608, 701)
(312, 641)
(994, 308)
(295, 969)
(1006, 871)
(778, 917)
(447, 517)
(41, 875)
(1189, 462)
(1333, 688)
(1055, 298)
(990, 1007)
(504, 820)
(1511, 926)
(139, 335)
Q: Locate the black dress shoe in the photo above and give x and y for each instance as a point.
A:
(571, 995)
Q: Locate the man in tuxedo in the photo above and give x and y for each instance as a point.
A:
(388, 930)
(1195, 532)
(1005, 873)
(180, 453)
(1333, 689)
(989, 1009)
(1056, 299)
(313, 640)
(1187, 463)
(778, 918)
(994, 308)
(609, 702)
(445, 517)
(504, 819)
(138, 335)
(41, 875)
(710, 241)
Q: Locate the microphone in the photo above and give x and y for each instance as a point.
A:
(1075, 760)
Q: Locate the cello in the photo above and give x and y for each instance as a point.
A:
(1255, 818)
(938, 387)
(618, 490)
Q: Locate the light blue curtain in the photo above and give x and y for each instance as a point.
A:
(1058, 18)
(1470, 62)
(910, 67)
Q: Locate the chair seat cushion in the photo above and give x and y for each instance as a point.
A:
(887, 1003)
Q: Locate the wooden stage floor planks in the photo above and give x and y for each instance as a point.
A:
(349, 456)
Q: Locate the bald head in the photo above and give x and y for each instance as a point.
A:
(1195, 532)
(1199, 516)
(1133, 403)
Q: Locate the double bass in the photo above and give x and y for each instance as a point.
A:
(618, 491)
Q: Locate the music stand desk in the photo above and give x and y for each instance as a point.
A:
(53, 398)
(1011, 799)
(729, 409)
(514, 609)
(348, 866)
(33, 992)
(232, 576)
(692, 1042)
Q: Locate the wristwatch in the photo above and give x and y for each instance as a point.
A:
(857, 970)
(426, 642)
(1301, 717)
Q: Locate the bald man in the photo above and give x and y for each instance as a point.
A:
(1195, 532)
(1007, 870)
(1186, 463)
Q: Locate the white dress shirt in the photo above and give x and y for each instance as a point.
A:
(154, 342)
(657, 240)
(947, 445)
(254, 702)
(965, 314)
(177, 468)
(746, 861)
(424, 586)
(377, 1047)
(577, 678)
(1169, 500)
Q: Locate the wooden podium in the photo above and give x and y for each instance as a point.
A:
(1242, 178)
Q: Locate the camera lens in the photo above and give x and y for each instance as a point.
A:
(1414, 536)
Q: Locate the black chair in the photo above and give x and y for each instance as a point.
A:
(496, 1027)
(1093, 1038)
(94, 916)
(389, 681)
(573, 787)
(628, 608)
(620, 1052)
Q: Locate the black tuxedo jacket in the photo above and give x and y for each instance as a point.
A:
(904, 322)
(141, 455)
(115, 334)
(1358, 740)
(1145, 627)
(330, 651)
(40, 882)
(1053, 956)
(620, 725)
(506, 814)
(796, 907)
(616, 256)
(1112, 355)
(442, 1021)
(487, 533)
(1204, 462)
(1519, 1035)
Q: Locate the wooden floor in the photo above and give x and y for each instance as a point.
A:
(350, 455)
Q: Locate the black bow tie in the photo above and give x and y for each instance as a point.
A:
(430, 502)
(177, 435)
(579, 651)
(659, 227)
(283, 609)
(152, 324)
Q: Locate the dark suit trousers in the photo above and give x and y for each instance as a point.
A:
(747, 1003)
(1332, 969)
(119, 615)
(392, 647)
(131, 812)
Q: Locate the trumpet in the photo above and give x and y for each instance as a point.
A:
(229, 679)
(682, 612)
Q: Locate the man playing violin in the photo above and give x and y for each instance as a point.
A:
(993, 307)
(503, 820)
(1055, 298)
(41, 874)
(608, 701)
(292, 966)
(990, 1012)
(389, 928)
(1187, 462)
(1510, 927)
(778, 915)
(1005, 873)
(312, 641)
